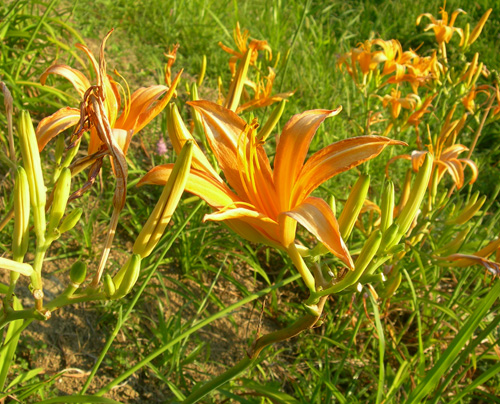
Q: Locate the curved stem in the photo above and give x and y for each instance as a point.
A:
(304, 323)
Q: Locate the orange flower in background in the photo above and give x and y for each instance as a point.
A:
(241, 41)
(261, 204)
(443, 29)
(409, 102)
(139, 108)
(363, 55)
(396, 58)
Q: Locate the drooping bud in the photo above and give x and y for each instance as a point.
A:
(70, 220)
(20, 238)
(31, 161)
(160, 217)
(468, 212)
(353, 206)
(61, 195)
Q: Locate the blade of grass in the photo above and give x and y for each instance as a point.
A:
(381, 349)
(443, 364)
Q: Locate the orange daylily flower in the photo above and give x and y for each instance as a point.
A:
(420, 70)
(396, 58)
(397, 102)
(263, 205)
(138, 110)
(365, 57)
(443, 29)
(262, 94)
(241, 41)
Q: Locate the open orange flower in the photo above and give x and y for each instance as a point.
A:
(443, 29)
(258, 203)
(138, 111)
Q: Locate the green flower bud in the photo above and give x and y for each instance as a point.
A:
(70, 220)
(20, 267)
(160, 217)
(272, 121)
(387, 206)
(353, 206)
(20, 237)
(61, 195)
(78, 272)
(31, 161)
(109, 286)
(127, 276)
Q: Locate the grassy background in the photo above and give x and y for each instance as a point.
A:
(206, 268)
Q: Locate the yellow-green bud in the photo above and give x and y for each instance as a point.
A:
(109, 286)
(392, 284)
(70, 220)
(389, 238)
(272, 121)
(78, 272)
(31, 161)
(468, 212)
(61, 195)
(127, 276)
(203, 69)
(416, 197)
(160, 217)
(387, 206)
(453, 246)
(20, 267)
(20, 237)
(353, 206)
(60, 146)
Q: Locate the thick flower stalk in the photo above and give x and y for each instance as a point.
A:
(260, 204)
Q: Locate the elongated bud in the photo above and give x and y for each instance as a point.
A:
(59, 149)
(392, 284)
(31, 161)
(468, 213)
(453, 246)
(160, 217)
(61, 195)
(478, 28)
(238, 81)
(20, 237)
(387, 206)
(405, 193)
(127, 276)
(353, 206)
(78, 272)
(272, 121)
(109, 286)
(332, 204)
(71, 220)
(389, 238)
(203, 69)
(368, 251)
(20, 267)
(417, 194)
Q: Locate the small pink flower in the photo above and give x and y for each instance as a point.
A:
(161, 147)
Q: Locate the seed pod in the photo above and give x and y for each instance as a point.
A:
(127, 276)
(417, 194)
(31, 161)
(61, 195)
(109, 286)
(20, 238)
(78, 272)
(70, 220)
(353, 206)
(387, 207)
(160, 217)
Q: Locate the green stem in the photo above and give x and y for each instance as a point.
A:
(304, 323)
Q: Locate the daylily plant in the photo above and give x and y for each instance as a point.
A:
(260, 204)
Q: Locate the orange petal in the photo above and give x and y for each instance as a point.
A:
(199, 183)
(318, 219)
(336, 158)
(223, 129)
(54, 124)
(292, 150)
(79, 81)
(473, 167)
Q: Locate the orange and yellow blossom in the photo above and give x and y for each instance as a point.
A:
(363, 55)
(409, 102)
(443, 29)
(139, 109)
(261, 204)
